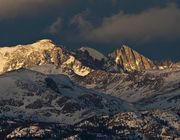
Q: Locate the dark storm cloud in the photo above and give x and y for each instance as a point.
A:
(14, 8)
(149, 25)
(145, 25)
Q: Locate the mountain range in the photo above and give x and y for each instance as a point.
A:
(84, 94)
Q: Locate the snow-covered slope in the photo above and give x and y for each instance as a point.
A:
(32, 96)
(93, 53)
(148, 90)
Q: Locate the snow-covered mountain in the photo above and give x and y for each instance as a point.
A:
(81, 61)
(42, 52)
(147, 90)
(48, 91)
(93, 70)
(32, 96)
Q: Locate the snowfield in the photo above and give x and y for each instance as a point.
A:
(30, 95)
(147, 90)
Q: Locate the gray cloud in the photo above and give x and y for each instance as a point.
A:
(149, 25)
(81, 23)
(55, 27)
(14, 8)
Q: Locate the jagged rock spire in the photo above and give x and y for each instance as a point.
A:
(131, 60)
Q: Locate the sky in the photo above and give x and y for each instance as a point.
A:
(152, 27)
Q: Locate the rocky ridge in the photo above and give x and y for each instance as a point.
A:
(81, 61)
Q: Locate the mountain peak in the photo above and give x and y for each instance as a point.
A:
(44, 43)
(131, 60)
(93, 53)
(125, 47)
(38, 53)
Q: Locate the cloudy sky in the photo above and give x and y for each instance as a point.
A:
(151, 27)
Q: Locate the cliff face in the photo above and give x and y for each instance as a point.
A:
(131, 60)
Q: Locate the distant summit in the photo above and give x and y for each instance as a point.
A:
(93, 53)
(131, 60)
